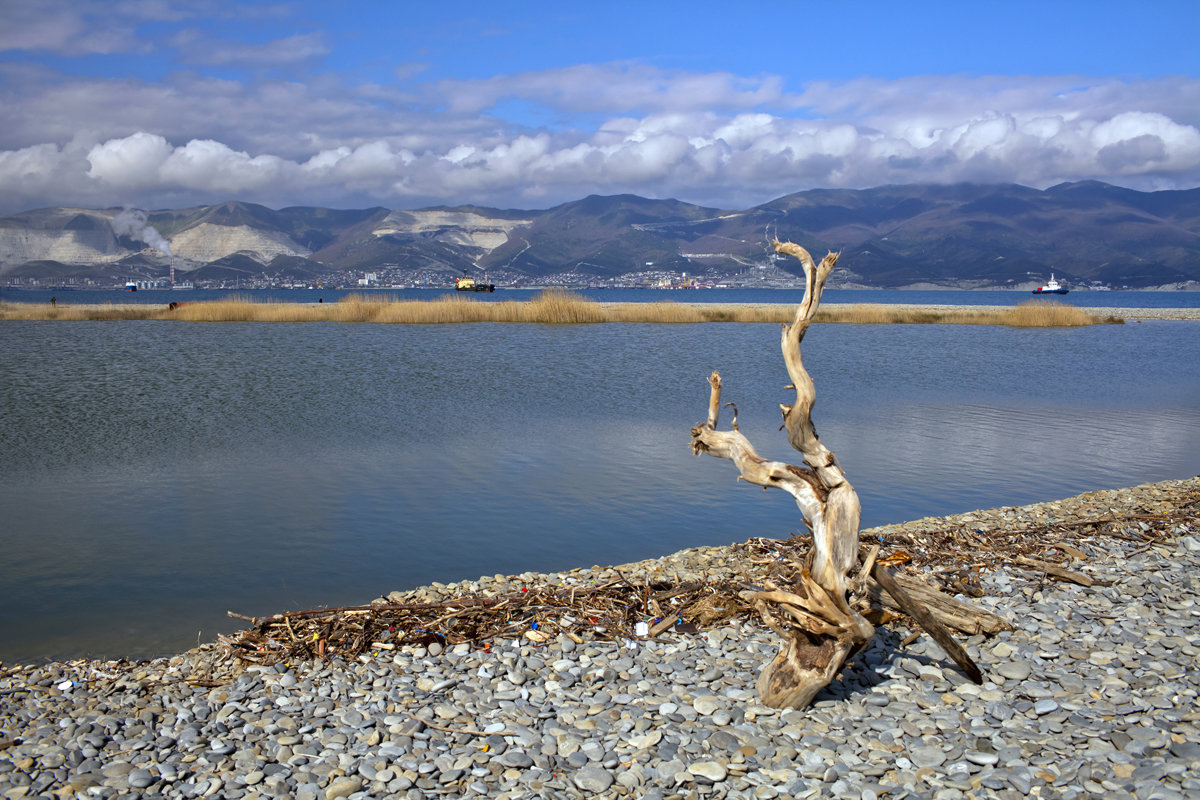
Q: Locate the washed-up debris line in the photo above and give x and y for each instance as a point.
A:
(955, 556)
(951, 552)
(537, 613)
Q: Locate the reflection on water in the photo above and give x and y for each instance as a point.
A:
(153, 476)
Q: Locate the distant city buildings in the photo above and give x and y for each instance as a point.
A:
(751, 276)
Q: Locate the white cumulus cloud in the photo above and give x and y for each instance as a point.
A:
(133, 162)
(616, 128)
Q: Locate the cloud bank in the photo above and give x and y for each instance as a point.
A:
(534, 139)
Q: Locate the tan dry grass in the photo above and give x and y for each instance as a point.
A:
(877, 314)
(63, 311)
(552, 307)
(1029, 314)
(1051, 313)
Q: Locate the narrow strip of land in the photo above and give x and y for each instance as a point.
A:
(559, 307)
(1120, 313)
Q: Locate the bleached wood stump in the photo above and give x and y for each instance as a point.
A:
(819, 627)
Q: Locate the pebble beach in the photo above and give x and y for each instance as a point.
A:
(1128, 314)
(1092, 693)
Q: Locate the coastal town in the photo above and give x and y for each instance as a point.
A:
(767, 275)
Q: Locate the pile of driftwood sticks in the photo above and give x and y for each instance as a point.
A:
(933, 564)
(618, 609)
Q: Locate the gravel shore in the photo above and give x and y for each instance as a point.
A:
(1122, 313)
(1094, 692)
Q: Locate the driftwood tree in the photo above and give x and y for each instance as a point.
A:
(819, 626)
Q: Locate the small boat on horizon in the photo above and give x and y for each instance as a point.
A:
(1051, 287)
(130, 286)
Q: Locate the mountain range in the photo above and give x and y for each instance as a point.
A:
(961, 235)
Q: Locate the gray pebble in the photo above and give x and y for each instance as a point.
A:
(1013, 670)
(927, 756)
(1043, 707)
(516, 758)
(593, 779)
(140, 778)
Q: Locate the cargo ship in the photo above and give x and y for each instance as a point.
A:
(468, 284)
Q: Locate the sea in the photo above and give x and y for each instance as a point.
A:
(155, 475)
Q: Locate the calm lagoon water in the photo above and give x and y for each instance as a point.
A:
(153, 476)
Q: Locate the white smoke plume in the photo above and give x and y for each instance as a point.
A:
(132, 222)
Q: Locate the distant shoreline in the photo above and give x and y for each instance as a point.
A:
(1123, 313)
(567, 308)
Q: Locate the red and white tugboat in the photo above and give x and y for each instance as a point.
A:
(1052, 287)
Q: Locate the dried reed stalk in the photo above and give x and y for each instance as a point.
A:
(552, 307)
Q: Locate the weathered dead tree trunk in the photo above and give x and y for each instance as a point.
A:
(820, 628)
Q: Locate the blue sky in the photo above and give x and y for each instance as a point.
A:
(154, 104)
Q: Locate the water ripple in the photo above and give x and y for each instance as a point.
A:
(153, 476)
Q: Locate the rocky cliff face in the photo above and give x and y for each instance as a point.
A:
(465, 228)
(67, 235)
(87, 238)
(207, 242)
(68, 247)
